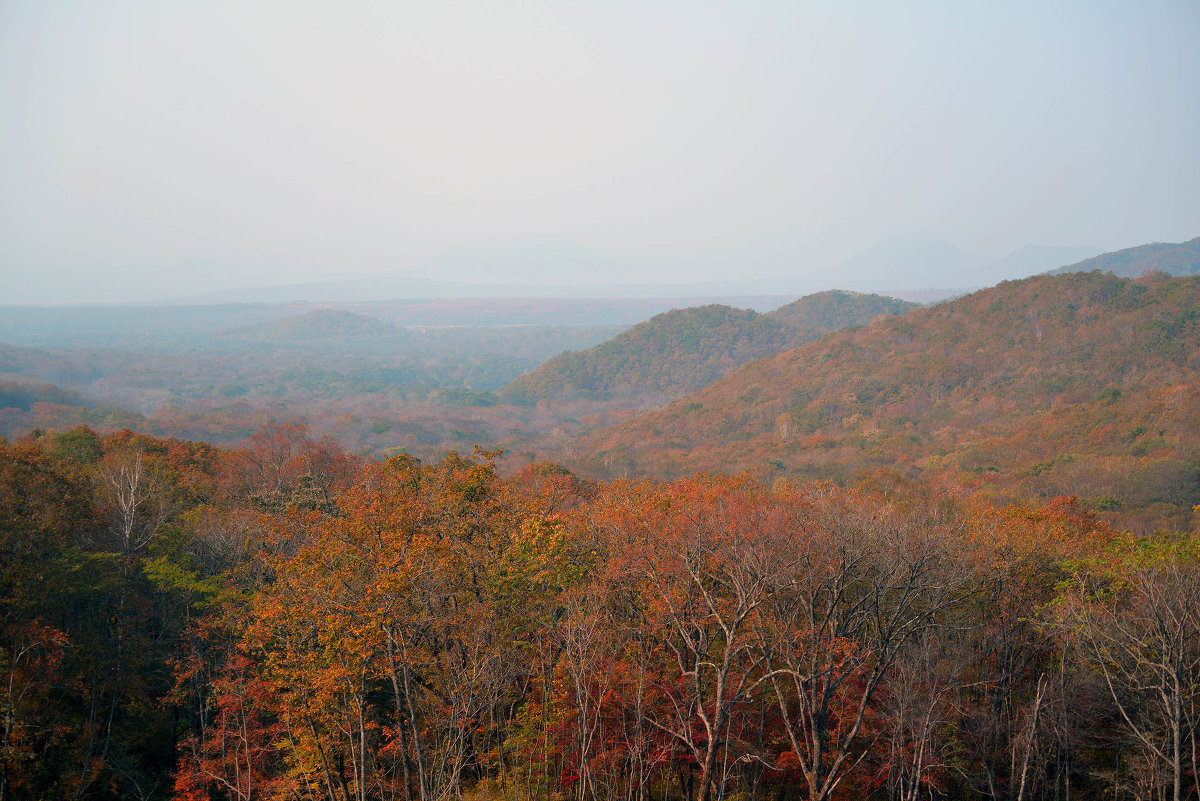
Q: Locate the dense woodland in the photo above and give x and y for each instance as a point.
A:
(668, 355)
(829, 311)
(961, 560)
(683, 350)
(1082, 384)
(599, 401)
(285, 621)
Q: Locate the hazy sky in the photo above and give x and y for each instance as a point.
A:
(190, 144)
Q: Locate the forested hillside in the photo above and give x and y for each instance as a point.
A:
(962, 562)
(284, 621)
(1181, 258)
(1083, 383)
(685, 349)
(409, 400)
(829, 311)
(669, 354)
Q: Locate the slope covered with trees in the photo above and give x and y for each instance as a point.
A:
(669, 354)
(686, 349)
(1082, 383)
(834, 309)
(1182, 258)
(283, 621)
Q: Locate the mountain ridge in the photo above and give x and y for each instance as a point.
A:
(685, 349)
(671, 353)
(1084, 383)
(1173, 258)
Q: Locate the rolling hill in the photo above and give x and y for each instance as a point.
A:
(1085, 384)
(834, 309)
(1181, 258)
(685, 349)
(671, 353)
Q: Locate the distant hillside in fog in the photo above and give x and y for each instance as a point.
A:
(1182, 258)
(912, 262)
(904, 264)
(317, 324)
(686, 349)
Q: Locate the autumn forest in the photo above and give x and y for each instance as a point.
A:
(854, 548)
(599, 401)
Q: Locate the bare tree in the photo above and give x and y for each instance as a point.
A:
(918, 710)
(139, 497)
(1140, 629)
(707, 557)
(873, 580)
(583, 647)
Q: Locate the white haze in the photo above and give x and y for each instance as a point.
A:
(159, 149)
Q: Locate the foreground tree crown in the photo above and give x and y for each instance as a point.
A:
(286, 621)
